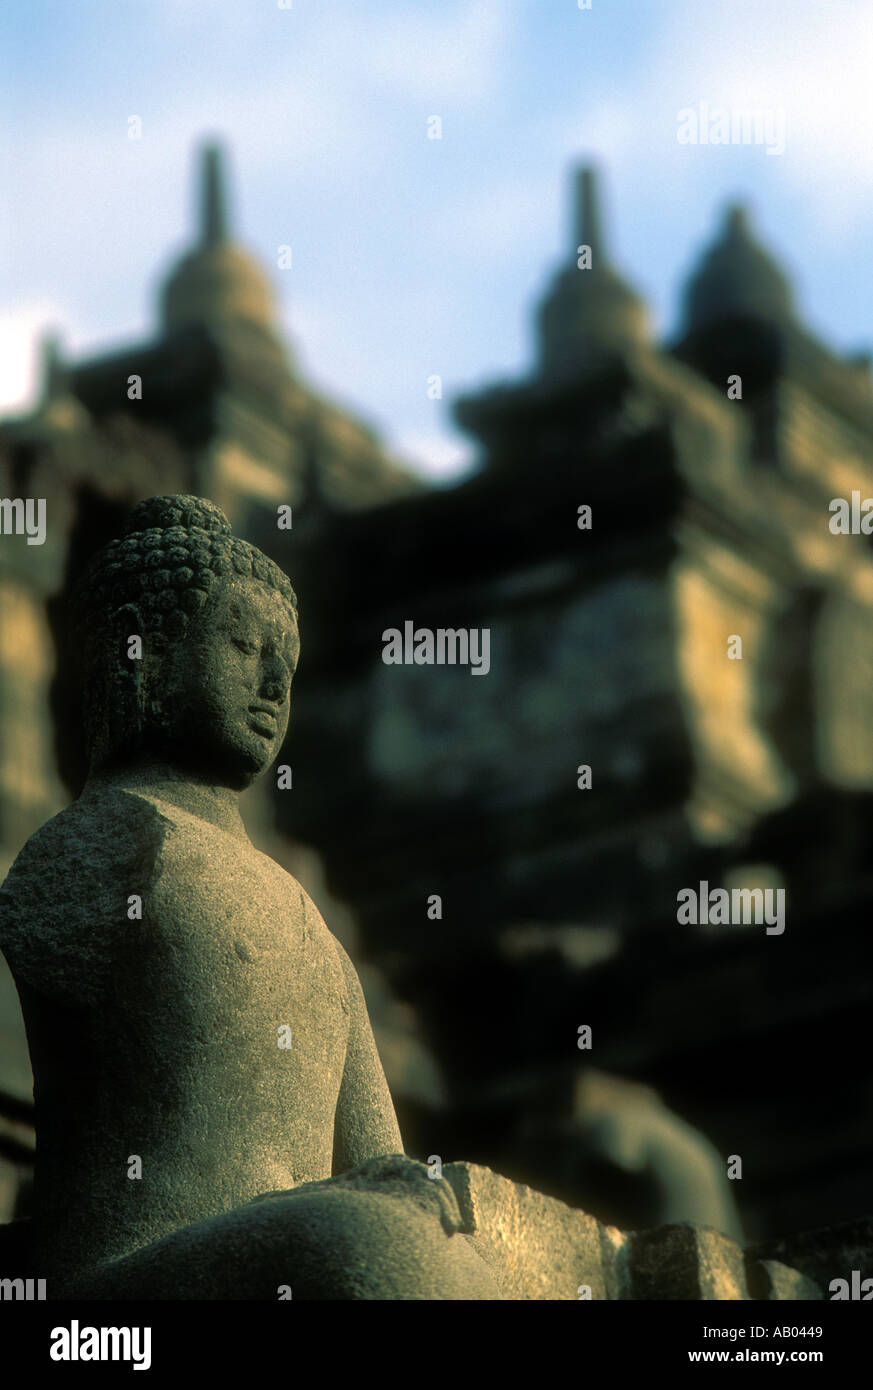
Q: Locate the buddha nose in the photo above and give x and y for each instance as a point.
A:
(274, 681)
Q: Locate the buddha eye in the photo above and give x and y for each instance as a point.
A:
(249, 648)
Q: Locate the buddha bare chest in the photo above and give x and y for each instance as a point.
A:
(232, 962)
(182, 957)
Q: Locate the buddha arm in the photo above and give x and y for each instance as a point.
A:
(365, 1124)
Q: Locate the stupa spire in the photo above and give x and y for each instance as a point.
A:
(737, 277)
(213, 196)
(589, 231)
(589, 314)
(217, 282)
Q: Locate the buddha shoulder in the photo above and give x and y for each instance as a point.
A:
(65, 902)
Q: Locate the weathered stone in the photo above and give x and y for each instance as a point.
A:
(537, 1247)
(772, 1280)
(685, 1262)
(383, 1231)
(825, 1255)
(358, 1240)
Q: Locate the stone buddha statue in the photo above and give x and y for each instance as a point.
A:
(212, 1116)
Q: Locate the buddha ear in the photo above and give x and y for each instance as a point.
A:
(139, 649)
(138, 653)
(128, 635)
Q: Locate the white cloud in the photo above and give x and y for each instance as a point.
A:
(809, 60)
(21, 328)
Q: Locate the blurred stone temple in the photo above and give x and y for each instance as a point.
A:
(503, 899)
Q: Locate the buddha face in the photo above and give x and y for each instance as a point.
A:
(221, 696)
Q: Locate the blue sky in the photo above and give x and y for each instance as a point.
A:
(414, 257)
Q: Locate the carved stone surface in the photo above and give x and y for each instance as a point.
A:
(538, 1248)
(686, 1262)
(773, 1281)
(383, 1231)
(386, 1214)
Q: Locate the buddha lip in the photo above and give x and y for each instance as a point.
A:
(269, 720)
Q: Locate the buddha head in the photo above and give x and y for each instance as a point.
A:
(206, 688)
